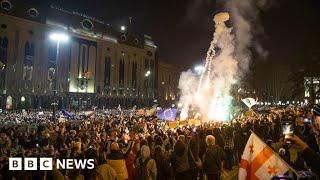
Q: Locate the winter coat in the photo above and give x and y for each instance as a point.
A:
(146, 170)
(117, 162)
(107, 172)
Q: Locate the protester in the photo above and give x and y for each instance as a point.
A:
(213, 159)
(138, 147)
(146, 166)
(309, 155)
(164, 169)
(180, 160)
(117, 161)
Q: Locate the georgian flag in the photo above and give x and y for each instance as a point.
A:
(258, 161)
(249, 102)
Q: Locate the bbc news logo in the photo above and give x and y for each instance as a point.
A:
(31, 163)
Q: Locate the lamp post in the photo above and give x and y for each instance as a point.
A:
(57, 37)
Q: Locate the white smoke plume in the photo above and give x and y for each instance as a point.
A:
(210, 94)
(245, 17)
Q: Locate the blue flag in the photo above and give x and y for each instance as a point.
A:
(66, 113)
(168, 114)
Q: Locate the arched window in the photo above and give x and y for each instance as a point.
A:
(26, 52)
(121, 72)
(107, 71)
(52, 52)
(28, 61)
(5, 42)
(31, 49)
(134, 74)
(3, 60)
(3, 49)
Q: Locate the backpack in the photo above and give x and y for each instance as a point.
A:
(141, 170)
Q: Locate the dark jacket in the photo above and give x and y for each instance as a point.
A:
(212, 159)
(312, 159)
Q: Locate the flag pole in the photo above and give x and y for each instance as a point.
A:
(276, 154)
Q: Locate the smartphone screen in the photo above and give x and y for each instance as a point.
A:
(287, 129)
(307, 121)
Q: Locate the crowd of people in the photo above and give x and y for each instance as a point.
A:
(126, 146)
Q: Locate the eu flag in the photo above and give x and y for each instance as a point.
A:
(167, 114)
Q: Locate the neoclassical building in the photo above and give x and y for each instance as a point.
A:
(83, 59)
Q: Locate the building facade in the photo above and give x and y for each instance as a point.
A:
(167, 84)
(312, 90)
(93, 63)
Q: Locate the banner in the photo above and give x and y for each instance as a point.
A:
(173, 124)
(194, 122)
(168, 114)
(151, 112)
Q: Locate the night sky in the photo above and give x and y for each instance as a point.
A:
(183, 28)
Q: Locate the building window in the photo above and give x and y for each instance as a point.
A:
(107, 71)
(134, 74)
(145, 83)
(3, 26)
(123, 37)
(145, 63)
(52, 64)
(3, 60)
(52, 52)
(28, 61)
(121, 73)
(136, 41)
(3, 49)
(87, 24)
(33, 12)
(6, 5)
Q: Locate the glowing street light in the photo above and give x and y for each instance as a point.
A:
(123, 28)
(59, 37)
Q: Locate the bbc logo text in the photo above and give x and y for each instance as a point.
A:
(46, 163)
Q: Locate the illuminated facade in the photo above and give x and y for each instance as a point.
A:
(98, 64)
(312, 89)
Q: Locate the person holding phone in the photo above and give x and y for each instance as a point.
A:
(308, 154)
(287, 130)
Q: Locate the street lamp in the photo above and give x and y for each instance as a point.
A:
(58, 37)
(123, 28)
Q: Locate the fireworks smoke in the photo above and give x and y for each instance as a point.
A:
(227, 57)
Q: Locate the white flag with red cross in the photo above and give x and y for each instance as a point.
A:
(258, 161)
